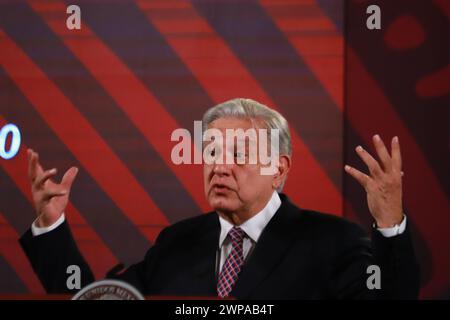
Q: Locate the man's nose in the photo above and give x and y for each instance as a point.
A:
(221, 169)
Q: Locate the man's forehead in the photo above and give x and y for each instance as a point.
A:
(236, 123)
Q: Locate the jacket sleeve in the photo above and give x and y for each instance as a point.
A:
(50, 255)
(399, 272)
(141, 274)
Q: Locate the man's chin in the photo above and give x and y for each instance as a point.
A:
(222, 204)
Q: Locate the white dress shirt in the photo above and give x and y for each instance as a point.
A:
(36, 231)
(253, 228)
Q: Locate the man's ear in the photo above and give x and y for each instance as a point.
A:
(284, 166)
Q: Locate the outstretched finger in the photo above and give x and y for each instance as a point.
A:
(31, 165)
(69, 177)
(55, 192)
(40, 180)
(396, 154)
(382, 152)
(359, 176)
(34, 168)
(370, 162)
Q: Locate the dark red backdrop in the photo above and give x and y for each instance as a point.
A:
(107, 97)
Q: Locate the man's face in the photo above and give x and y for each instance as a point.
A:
(236, 188)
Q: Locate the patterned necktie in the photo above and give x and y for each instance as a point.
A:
(232, 266)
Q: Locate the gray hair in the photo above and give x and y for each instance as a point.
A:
(251, 109)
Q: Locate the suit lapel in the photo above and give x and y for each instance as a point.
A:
(272, 246)
(204, 255)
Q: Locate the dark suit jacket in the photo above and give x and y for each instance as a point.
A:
(301, 254)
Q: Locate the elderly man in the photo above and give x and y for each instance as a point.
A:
(256, 244)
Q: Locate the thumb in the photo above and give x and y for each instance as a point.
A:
(69, 177)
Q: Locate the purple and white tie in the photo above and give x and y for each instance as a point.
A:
(233, 264)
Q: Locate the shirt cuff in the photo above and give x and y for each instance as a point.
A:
(395, 230)
(37, 231)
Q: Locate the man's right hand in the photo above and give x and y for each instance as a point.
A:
(50, 198)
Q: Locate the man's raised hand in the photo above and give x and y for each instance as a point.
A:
(383, 184)
(50, 198)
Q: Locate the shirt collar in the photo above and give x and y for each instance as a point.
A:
(254, 226)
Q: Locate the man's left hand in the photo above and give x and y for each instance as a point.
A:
(384, 183)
